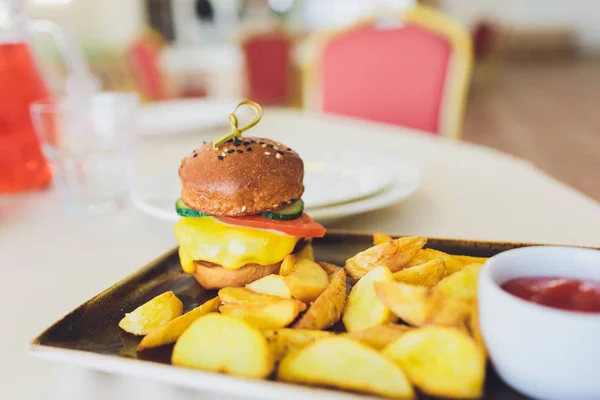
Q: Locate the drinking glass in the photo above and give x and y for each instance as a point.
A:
(90, 146)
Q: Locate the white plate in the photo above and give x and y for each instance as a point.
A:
(341, 177)
(156, 196)
(184, 116)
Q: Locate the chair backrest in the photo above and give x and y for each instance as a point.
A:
(413, 73)
(143, 61)
(267, 58)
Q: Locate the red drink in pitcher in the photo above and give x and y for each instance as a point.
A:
(22, 165)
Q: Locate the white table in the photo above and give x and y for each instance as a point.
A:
(51, 262)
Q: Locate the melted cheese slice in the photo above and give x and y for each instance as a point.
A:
(230, 246)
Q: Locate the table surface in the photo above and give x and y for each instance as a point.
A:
(51, 262)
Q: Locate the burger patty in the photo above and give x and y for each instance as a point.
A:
(214, 276)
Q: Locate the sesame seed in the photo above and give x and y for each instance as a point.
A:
(289, 149)
(224, 154)
(240, 151)
(270, 145)
(215, 148)
(245, 143)
(263, 146)
(275, 205)
(195, 155)
(243, 208)
(276, 148)
(248, 148)
(278, 155)
(230, 150)
(261, 142)
(220, 157)
(252, 141)
(283, 203)
(279, 152)
(267, 153)
(237, 143)
(229, 141)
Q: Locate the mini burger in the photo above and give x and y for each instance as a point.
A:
(241, 209)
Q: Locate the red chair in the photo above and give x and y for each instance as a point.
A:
(413, 73)
(267, 58)
(143, 61)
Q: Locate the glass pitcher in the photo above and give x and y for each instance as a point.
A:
(22, 165)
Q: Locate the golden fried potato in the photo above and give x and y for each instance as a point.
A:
(237, 295)
(466, 260)
(287, 265)
(462, 284)
(221, 343)
(169, 332)
(379, 238)
(363, 308)
(440, 361)
(394, 255)
(426, 274)
(152, 314)
(330, 269)
(451, 262)
(306, 280)
(379, 336)
(285, 341)
(327, 308)
(307, 253)
(419, 305)
(474, 328)
(271, 284)
(346, 364)
(273, 315)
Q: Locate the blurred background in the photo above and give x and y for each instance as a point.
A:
(532, 92)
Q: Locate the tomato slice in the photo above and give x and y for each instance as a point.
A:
(300, 227)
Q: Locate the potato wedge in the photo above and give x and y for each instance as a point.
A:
(306, 280)
(287, 265)
(394, 255)
(379, 336)
(474, 328)
(330, 269)
(285, 341)
(236, 295)
(307, 253)
(379, 238)
(451, 262)
(152, 314)
(221, 343)
(462, 284)
(426, 274)
(466, 260)
(363, 308)
(418, 305)
(327, 308)
(264, 316)
(271, 284)
(440, 361)
(346, 364)
(170, 332)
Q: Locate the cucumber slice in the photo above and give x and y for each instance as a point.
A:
(185, 211)
(293, 211)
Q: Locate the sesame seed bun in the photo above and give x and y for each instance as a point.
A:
(241, 177)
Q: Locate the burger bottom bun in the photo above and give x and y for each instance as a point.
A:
(213, 276)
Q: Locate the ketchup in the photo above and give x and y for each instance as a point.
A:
(561, 293)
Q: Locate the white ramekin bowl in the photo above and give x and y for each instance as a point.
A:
(542, 352)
